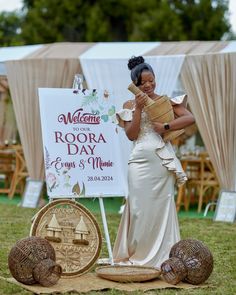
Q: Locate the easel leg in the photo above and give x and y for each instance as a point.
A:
(104, 221)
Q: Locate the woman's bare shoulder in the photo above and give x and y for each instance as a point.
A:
(129, 104)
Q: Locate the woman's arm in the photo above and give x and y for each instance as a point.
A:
(184, 119)
(132, 128)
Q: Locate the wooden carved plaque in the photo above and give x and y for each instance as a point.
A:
(72, 231)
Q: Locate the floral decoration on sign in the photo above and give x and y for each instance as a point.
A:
(102, 110)
(52, 181)
(77, 191)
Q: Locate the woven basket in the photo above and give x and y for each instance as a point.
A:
(32, 260)
(47, 272)
(126, 274)
(196, 258)
(173, 270)
(160, 111)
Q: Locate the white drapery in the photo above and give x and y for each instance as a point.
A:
(209, 81)
(15, 52)
(167, 69)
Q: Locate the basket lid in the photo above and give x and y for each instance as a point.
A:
(73, 232)
(128, 273)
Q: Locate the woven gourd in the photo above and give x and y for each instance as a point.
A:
(196, 258)
(32, 260)
(160, 111)
(173, 270)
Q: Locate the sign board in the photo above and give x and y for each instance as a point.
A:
(32, 193)
(226, 207)
(81, 144)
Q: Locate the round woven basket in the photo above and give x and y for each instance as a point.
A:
(173, 270)
(196, 259)
(72, 231)
(32, 260)
(126, 274)
(47, 273)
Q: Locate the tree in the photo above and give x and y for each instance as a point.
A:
(10, 28)
(203, 19)
(121, 20)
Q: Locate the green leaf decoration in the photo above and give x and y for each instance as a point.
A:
(112, 111)
(104, 118)
(53, 186)
(76, 189)
(83, 191)
(89, 99)
(96, 112)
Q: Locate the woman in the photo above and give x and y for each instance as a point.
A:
(149, 225)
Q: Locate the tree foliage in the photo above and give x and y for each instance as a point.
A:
(10, 24)
(47, 21)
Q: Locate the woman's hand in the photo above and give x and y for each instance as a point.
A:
(140, 100)
(158, 127)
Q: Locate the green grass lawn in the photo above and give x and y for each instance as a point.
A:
(218, 236)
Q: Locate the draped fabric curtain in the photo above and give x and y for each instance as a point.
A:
(8, 128)
(209, 81)
(2, 117)
(113, 74)
(167, 69)
(25, 77)
(110, 74)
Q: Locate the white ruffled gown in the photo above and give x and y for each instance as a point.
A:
(149, 225)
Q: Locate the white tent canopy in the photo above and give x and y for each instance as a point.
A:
(14, 52)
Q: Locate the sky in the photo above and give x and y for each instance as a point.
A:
(9, 5)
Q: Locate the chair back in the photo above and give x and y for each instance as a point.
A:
(208, 174)
(7, 162)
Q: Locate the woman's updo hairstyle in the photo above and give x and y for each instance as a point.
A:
(137, 65)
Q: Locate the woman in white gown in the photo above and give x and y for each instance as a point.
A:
(149, 225)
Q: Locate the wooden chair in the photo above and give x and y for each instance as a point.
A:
(20, 174)
(7, 168)
(191, 166)
(207, 180)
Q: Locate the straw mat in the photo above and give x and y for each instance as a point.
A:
(91, 282)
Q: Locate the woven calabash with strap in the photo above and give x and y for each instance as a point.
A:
(190, 261)
(160, 111)
(32, 260)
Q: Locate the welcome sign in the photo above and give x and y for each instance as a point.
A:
(81, 144)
